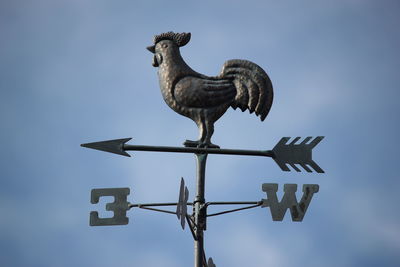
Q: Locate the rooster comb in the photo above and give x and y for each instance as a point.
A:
(180, 39)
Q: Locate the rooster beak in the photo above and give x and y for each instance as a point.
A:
(152, 48)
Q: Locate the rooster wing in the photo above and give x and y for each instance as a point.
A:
(195, 92)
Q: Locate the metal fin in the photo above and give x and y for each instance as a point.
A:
(211, 263)
(181, 208)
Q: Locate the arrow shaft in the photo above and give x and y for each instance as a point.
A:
(265, 153)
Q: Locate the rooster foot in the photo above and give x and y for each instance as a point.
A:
(199, 144)
(208, 145)
(190, 143)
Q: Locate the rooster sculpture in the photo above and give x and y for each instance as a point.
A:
(241, 84)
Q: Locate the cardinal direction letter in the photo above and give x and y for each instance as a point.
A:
(118, 207)
(289, 200)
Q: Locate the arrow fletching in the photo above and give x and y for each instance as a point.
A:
(115, 146)
(300, 154)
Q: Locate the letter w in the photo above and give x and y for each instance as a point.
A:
(289, 200)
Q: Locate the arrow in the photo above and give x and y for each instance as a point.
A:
(293, 153)
(282, 153)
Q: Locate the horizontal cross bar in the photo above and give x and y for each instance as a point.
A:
(233, 203)
(283, 153)
(191, 204)
(155, 204)
(147, 206)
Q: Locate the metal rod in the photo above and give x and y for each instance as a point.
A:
(232, 203)
(265, 153)
(204, 259)
(229, 211)
(191, 225)
(200, 215)
(153, 209)
(191, 219)
(191, 203)
(156, 204)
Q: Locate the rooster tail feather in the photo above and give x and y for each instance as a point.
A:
(253, 86)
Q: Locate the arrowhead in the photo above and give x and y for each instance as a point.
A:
(115, 146)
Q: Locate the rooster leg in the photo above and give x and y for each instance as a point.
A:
(206, 142)
(202, 134)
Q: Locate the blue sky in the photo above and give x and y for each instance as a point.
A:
(74, 71)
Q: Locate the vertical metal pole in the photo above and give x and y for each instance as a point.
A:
(200, 214)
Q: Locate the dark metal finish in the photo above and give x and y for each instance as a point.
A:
(181, 208)
(119, 206)
(282, 153)
(289, 200)
(232, 203)
(191, 226)
(191, 203)
(119, 147)
(241, 84)
(293, 153)
(113, 146)
(156, 204)
(210, 263)
(242, 152)
(200, 213)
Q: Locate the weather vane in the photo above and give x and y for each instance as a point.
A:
(241, 84)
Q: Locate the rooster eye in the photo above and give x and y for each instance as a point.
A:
(164, 45)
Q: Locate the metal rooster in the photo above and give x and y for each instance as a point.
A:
(241, 84)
